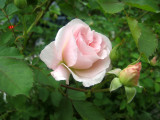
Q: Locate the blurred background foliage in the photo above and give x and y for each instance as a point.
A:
(28, 92)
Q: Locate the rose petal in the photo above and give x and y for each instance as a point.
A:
(87, 82)
(96, 43)
(83, 47)
(61, 73)
(76, 22)
(104, 53)
(49, 57)
(107, 41)
(70, 51)
(66, 44)
(84, 61)
(95, 80)
(97, 67)
(60, 42)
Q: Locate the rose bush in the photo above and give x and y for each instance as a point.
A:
(80, 51)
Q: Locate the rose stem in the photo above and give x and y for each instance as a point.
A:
(78, 89)
(83, 90)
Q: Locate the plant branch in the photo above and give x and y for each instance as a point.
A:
(84, 90)
(9, 22)
(142, 15)
(37, 21)
(77, 89)
(101, 90)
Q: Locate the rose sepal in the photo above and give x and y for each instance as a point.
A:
(115, 71)
(115, 84)
(130, 93)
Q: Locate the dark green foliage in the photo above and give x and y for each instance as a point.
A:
(29, 92)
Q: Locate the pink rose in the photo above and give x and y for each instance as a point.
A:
(130, 75)
(80, 51)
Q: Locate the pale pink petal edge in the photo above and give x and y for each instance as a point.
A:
(61, 73)
(48, 56)
(87, 82)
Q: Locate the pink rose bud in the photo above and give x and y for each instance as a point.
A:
(130, 75)
(79, 51)
(154, 61)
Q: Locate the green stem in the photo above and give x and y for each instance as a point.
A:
(8, 21)
(142, 15)
(84, 90)
(101, 90)
(36, 21)
(39, 16)
(77, 89)
(24, 31)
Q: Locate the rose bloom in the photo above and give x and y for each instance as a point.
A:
(79, 51)
(130, 75)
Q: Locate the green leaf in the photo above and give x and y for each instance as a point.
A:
(157, 87)
(88, 111)
(67, 9)
(134, 28)
(2, 3)
(43, 94)
(148, 42)
(76, 95)
(2, 15)
(37, 29)
(158, 79)
(111, 6)
(148, 5)
(130, 110)
(55, 9)
(99, 95)
(145, 40)
(145, 116)
(65, 110)
(123, 105)
(10, 52)
(148, 82)
(11, 8)
(18, 102)
(130, 93)
(43, 77)
(56, 98)
(16, 77)
(5, 37)
(115, 84)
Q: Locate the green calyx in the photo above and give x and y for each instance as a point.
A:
(129, 82)
(130, 93)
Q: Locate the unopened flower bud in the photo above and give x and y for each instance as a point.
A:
(153, 61)
(20, 3)
(130, 75)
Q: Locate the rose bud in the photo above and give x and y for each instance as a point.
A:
(153, 62)
(130, 75)
(21, 4)
(79, 51)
